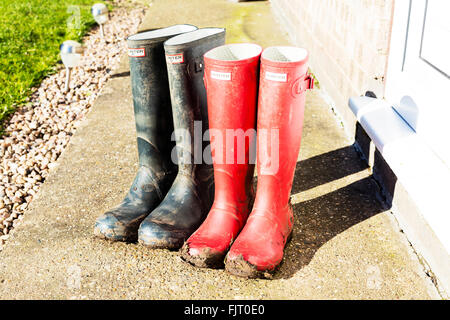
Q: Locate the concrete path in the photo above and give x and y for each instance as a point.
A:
(346, 244)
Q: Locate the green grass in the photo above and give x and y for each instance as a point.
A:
(30, 34)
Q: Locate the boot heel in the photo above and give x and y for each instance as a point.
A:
(289, 237)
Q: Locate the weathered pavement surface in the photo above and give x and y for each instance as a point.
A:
(346, 244)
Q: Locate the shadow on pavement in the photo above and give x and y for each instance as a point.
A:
(322, 218)
(121, 74)
(325, 168)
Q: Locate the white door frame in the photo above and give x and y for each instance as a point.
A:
(418, 92)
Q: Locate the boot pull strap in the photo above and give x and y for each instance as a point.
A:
(302, 84)
(198, 66)
(195, 67)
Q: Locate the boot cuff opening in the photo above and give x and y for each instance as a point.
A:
(162, 33)
(193, 36)
(285, 54)
(234, 52)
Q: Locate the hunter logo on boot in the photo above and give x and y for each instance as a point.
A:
(273, 76)
(220, 75)
(175, 58)
(136, 52)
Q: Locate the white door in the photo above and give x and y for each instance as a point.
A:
(418, 80)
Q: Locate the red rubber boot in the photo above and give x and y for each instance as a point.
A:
(231, 80)
(258, 250)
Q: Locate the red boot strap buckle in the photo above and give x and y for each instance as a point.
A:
(303, 84)
(309, 81)
(306, 84)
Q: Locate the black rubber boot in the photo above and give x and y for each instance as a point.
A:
(189, 199)
(154, 126)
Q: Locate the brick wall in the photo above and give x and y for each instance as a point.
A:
(348, 42)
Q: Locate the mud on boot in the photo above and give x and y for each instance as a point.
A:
(258, 250)
(189, 199)
(231, 77)
(154, 126)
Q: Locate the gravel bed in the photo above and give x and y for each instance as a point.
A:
(37, 133)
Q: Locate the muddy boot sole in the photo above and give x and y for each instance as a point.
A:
(172, 244)
(244, 269)
(128, 238)
(206, 259)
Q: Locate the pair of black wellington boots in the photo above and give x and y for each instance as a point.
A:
(172, 191)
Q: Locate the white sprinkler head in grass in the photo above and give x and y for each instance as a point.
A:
(100, 13)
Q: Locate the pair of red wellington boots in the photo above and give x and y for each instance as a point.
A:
(247, 90)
